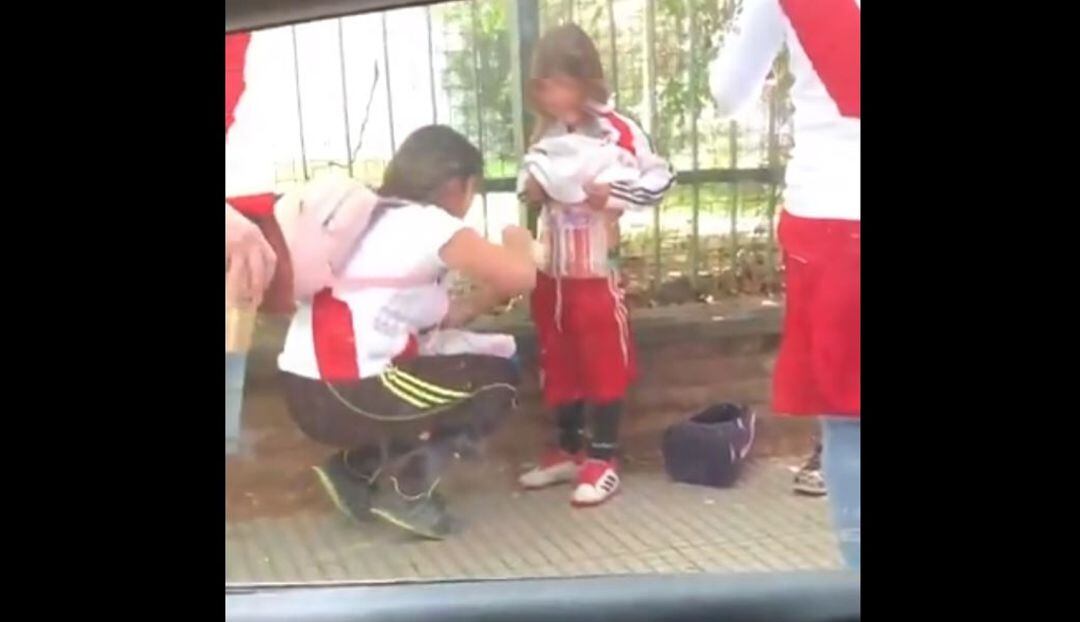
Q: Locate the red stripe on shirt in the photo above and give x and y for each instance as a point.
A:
(830, 33)
(335, 343)
(236, 46)
(626, 136)
(253, 205)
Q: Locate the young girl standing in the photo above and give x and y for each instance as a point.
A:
(586, 350)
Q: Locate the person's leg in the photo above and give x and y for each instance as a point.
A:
(808, 479)
(457, 401)
(560, 384)
(818, 368)
(836, 365)
(347, 476)
(570, 420)
(560, 463)
(604, 439)
(601, 331)
(235, 369)
(842, 464)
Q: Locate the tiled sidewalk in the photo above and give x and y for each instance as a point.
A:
(654, 526)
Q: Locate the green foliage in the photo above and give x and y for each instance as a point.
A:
(477, 72)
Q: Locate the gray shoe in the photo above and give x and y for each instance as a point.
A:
(350, 491)
(808, 479)
(423, 515)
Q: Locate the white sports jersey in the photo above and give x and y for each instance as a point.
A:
(252, 105)
(349, 334)
(577, 238)
(824, 175)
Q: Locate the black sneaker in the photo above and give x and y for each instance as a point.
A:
(350, 491)
(808, 479)
(424, 515)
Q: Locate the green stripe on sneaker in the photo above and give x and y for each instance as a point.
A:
(397, 522)
(331, 491)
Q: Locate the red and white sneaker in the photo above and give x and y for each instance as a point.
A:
(556, 467)
(597, 482)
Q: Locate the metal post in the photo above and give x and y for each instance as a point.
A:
(478, 89)
(695, 189)
(774, 164)
(431, 65)
(299, 103)
(345, 96)
(614, 81)
(389, 97)
(733, 147)
(524, 22)
(651, 119)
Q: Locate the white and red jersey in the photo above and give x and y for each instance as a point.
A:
(252, 109)
(575, 236)
(344, 333)
(823, 178)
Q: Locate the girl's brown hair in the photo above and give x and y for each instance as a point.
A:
(566, 50)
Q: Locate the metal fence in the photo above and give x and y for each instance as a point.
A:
(464, 64)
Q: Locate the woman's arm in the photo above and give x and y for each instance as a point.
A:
(467, 308)
(750, 48)
(646, 191)
(507, 270)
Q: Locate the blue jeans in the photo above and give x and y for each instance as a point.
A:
(841, 463)
(235, 369)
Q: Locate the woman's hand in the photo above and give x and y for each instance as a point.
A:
(461, 312)
(249, 260)
(597, 195)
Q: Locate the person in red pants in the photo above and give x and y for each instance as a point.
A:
(587, 164)
(818, 369)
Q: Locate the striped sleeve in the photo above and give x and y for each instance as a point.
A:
(656, 175)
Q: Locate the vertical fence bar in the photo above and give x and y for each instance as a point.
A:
(478, 90)
(389, 96)
(695, 189)
(299, 103)
(733, 147)
(774, 165)
(431, 64)
(650, 90)
(344, 95)
(524, 30)
(614, 55)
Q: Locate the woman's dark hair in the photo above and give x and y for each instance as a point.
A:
(429, 157)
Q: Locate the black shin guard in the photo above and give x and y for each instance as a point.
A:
(605, 430)
(570, 419)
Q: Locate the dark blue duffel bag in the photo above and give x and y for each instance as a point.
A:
(709, 448)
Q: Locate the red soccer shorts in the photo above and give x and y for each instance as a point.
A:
(586, 351)
(817, 371)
